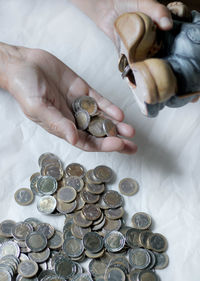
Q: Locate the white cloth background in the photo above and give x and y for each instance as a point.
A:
(166, 165)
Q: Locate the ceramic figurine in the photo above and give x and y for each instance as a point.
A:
(161, 67)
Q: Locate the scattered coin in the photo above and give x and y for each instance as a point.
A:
(6, 228)
(82, 119)
(81, 220)
(111, 225)
(41, 256)
(95, 188)
(21, 229)
(46, 229)
(113, 199)
(28, 268)
(47, 185)
(139, 258)
(36, 241)
(132, 237)
(9, 248)
(87, 103)
(93, 242)
(143, 236)
(141, 221)
(66, 194)
(76, 182)
(162, 260)
(128, 186)
(56, 241)
(114, 241)
(73, 247)
(114, 214)
(75, 169)
(91, 212)
(147, 275)
(103, 173)
(46, 204)
(96, 128)
(91, 179)
(64, 267)
(113, 274)
(89, 197)
(66, 208)
(78, 231)
(157, 242)
(24, 196)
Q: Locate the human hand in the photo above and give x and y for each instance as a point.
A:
(105, 12)
(45, 89)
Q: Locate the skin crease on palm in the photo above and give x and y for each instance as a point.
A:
(45, 87)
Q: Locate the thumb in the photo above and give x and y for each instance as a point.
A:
(158, 12)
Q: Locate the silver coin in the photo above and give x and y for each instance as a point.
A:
(56, 241)
(134, 274)
(89, 197)
(103, 173)
(91, 212)
(141, 221)
(95, 188)
(64, 267)
(46, 155)
(83, 277)
(162, 260)
(95, 127)
(111, 225)
(113, 199)
(73, 247)
(147, 275)
(41, 256)
(157, 242)
(143, 237)
(91, 179)
(66, 194)
(75, 169)
(132, 237)
(114, 241)
(33, 221)
(128, 186)
(46, 204)
(82, 119)
(93, 242)
(34, 187)
(75, 182)
(5, 276)
(97, 267)
(6, 228)
(87, 103)
(153, 260)
(23, 257)
(114, 214)
(139, 258)
(47, 185)
(24, 196)
(46, 229)
(66, 208)
(113, 274)
(36, 241)
(78, 231)
(54, 170)
(28, 268)
(21, 229)
(99, 226)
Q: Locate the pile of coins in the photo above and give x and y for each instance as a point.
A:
(94, 225)
(89, 118)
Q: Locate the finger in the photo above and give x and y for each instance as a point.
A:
(158, 12)
(129, 147)
(106, 106)
(55, 123)
(125, 130)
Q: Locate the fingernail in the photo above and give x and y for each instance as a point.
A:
(165, 22)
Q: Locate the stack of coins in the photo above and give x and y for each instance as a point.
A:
(94, 226)
(89, 118)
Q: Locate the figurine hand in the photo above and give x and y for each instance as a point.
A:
(45, 89)
(179, 9)
(105, 12)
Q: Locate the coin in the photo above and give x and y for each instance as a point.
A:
(147, 275)
(44, 156)
(53, 170)
(80, 202)
(66, 208)
(24, 196)
(6, 228)
(89, 104)
(110, 128)
(33, 221)
(97, 268)
(89, 197)
(46, 229)
(128, 186)
(98, 221)
(46, 204)
(157, 242)
(41, 256)
(94, 255)
(114, 214)
(162, 260)
(132, 237)
(91, 179)
(113, 199)
(153, 260)
(111, 225)
(28, 268)
(64, 267)
(143, 236)
(99, 226)
(9, 248)
(21, 229)
(113, 274)
(103, 173)
(139, 258)
(75, 182)
(66, 194)
(93, 242)
(91, 212)
(134, 274)
(123, 62)
(96, 128)
(95, 188)
(78, 231)
(36, 241)
(34, 187)
(141, 221)
(73, 247)
(56, 241)
(75, 169)
(47, 185)
(81, 220)
(82, 119)
(83, 277)
(5, 276)
(114, 241)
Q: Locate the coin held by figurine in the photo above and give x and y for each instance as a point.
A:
(89, 119)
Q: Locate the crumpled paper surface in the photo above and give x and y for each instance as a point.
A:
(166, 165)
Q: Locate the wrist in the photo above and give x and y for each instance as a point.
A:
(10, 58)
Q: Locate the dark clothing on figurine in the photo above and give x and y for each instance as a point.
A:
(181, 49)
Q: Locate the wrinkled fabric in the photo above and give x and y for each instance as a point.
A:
(166, 165)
